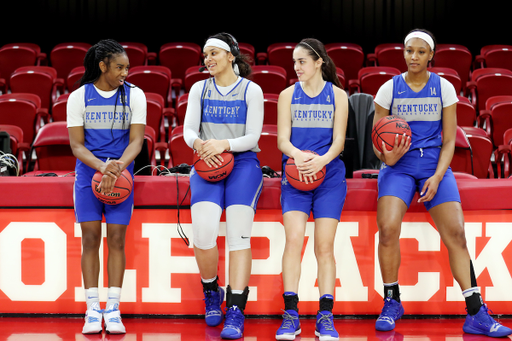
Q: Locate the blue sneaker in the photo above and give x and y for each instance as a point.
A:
(325, 326)
(483, 323)
(213, 312)
(234, 324)
(290, 326)
(391, 312)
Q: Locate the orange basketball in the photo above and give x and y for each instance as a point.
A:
(292, 175)
(386, 130)
(213, 174)
(122, 188)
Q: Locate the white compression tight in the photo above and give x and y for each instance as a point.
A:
(205, 225)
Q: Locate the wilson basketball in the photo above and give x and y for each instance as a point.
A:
(386, 130)
(292, 175)
(214, 174)
(122, 188)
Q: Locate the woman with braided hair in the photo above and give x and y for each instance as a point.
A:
(106, 118)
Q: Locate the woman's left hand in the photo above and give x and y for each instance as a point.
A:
(210, 152)
(429, 189)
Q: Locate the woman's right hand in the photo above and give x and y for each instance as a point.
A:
(391, 157)
(300, 159)
(111, 171)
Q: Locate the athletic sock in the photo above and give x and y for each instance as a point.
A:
(92, 298)
(473, 300)
(291, 301)
(211, 284)
(326, 303)
(237, 297)
(113, 297)
(392, 290)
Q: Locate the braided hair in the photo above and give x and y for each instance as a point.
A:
(104, 51)
(316, 50)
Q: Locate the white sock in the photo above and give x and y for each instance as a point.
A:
(237, 292)
(211, 280)
(470, 291)
(114, 297)
(92, 298)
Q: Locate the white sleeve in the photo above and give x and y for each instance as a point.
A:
(75, 108)
(448, 93)
(254, 121)
(138, 106)
(193, 114)
(384, 96)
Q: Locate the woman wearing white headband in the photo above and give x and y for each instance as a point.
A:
(422, 164)
(225, 113)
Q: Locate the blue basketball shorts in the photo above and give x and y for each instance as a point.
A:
(325, 201)
(89, 208)
(242, 187)
(409, 174)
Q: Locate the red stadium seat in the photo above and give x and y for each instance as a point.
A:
(23, 110)
(178, 57)
(456, 57)
(179, 151)
(138, 54)
(59, 108)
(52, 149)
(193, 75)
(73, 79)
(462, 160)
(66, 56)
(502, 155)
(346, 56)
(41, 56)
(271, 78)
(39, 80)
(248, 50)
(156, 113)
(269, 155)
(466, 112)
(153, 78)
(489, 82)
(14, 57)
(388, 54)
(482, 150)
(270, 108)
(499, 56)
(18, 146)
(371, 78)
(280, 54)
(497, 120)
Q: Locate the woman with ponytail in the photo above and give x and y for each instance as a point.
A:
(318, 90)
(106, 119)
(225, 113)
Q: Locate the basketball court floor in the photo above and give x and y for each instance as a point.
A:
(256, 329)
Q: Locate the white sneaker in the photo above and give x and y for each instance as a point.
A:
(113, 323)
(92, 321)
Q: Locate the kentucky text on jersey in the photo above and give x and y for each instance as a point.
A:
(221, 110)
(94, 116)
(409, 109)
(313, 114)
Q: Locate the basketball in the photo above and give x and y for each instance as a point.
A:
(213, 174)
(122, 188)
(386, 129)
(292, 175)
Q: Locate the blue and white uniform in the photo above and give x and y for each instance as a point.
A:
(423, 111)
(106, 134)
(312, 129)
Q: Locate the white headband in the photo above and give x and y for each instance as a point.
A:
(214, 42)
(422, 35)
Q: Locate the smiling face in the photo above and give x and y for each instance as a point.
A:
(114, 74)
(304, 65)
(417, 54)
(217, 60)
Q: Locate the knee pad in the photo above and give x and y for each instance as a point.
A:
(239, 220)
(205, 224)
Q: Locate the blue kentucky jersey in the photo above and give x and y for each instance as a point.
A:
(106, 124)
(312, 119)
(423, 110)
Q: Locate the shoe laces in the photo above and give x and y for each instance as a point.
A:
(288, 320)
(390, 308)
(234, 316)
(326, 321)
(210, 299)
